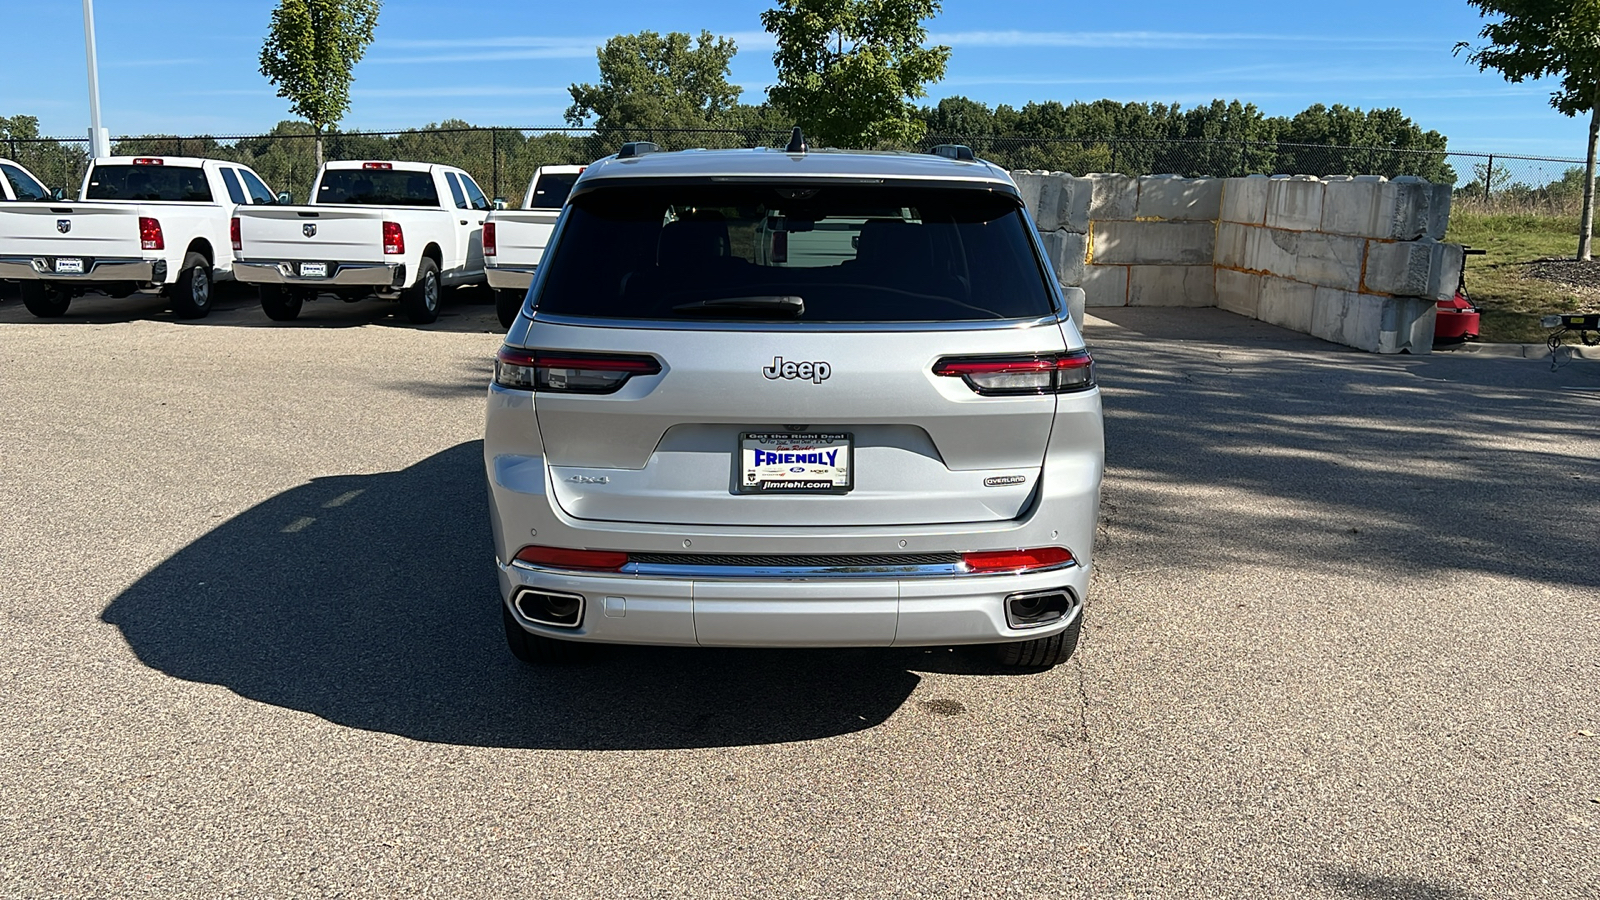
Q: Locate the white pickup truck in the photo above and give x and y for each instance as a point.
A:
(514, 239)
(394, 230)
(140, 224)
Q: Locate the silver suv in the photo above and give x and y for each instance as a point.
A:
(766, 398)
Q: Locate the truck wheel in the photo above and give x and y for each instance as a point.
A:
(45, 300)
(506, 305)
(421, 300)
(1042, 653)
(536, 649)
(191, 293)
(281, 304)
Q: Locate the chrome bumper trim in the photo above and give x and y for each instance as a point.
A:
(340, 275)
(508, 278)
(105, 268)
(794, 573)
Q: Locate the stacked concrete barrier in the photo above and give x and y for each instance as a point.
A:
(1355, 260)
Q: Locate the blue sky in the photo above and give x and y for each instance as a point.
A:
(190, 67)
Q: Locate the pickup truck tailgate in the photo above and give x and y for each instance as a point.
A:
(347, 234)
(89, 230)
(522, 234)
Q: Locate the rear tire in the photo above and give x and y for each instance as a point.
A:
(45, 300)
(281, 304)
(1045, 652)
(421, 300)
(538, 650)
(507, 303)
(191, 293)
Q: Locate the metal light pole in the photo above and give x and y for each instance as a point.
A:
(99, 138)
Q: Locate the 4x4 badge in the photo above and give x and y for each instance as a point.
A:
(815, 372)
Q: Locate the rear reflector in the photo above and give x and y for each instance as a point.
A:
(489, 248)
(233, 229)
(377, 165)
(1017, 560)
(1000, 375)
(584, 560)
(394, 240)
(569, 373)
(150, 237)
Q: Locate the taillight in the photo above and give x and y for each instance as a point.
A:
(394, 240)
(585, 560)
(568, 373)
(233, 230)
(150, 234)
(1017, 560)
(489, 248)
(992, 375)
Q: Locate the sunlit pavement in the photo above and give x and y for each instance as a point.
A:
(1342, 644)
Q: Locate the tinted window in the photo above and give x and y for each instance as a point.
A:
(260, 194)
(852, 254)
(170, 183)
(551, 191)
(455, 190)
(474, 196)
(231, 182)
(377, 187)
(22, 185)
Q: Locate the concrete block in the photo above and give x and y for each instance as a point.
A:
(1172, 286)
(1245, 199)
(1113, 196)
(1076, 301)
(1375, 208)
(1239, 292)
(1373, 323)
(1439, 211)
(1233, 245)
(1329, 260)
(1186, 199)
(1424, 268)
(1028, 182)
(1295, 203)
(1336, 316)
(1407, 324)
(1064, 203)
(1154, 243)
(1067, 253)
(1105, 286)
(1287, 304)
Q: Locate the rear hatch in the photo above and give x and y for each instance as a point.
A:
(69, 228)
(344, 234)
(808, 324)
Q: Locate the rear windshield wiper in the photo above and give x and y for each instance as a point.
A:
(757, 306)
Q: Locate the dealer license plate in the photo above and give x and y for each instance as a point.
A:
(314, 270)
(795, 463)
(68, 265)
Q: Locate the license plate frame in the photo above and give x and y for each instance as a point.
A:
(828, 477)
(68, 265)
(313, 270)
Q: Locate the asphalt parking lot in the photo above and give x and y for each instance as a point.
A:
(1342, 644)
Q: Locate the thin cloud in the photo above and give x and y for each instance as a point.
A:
(463, 91)
(142, 63)
(1151, 39)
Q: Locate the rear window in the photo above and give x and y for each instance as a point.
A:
(377, 187)
(147, 183)
(550, 191)
(23, 186)
(851, 254)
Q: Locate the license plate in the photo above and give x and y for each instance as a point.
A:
(795, 463)
(313, 270)
(66, 265)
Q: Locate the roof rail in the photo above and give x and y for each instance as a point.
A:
(637, 148)
(960, 152)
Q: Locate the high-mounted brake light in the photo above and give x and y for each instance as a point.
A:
(377, 165)
(1001, 375)
(583, 560)
(233, 231)
(1017, 560)
(489, 248)
(569, 373)
(149, 161)
(150, 237)
(394, 240)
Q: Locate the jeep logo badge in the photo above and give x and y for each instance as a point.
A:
(309, 229)
(63, 225)
(815, 372)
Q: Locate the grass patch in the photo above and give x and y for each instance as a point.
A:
(1511, 300)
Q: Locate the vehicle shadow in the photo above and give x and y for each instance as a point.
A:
(369, 600)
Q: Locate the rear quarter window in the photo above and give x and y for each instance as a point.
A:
(852, 254)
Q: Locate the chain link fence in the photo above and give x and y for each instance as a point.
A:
(503, 159)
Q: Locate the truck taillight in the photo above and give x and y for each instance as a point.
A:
(1000, 375)
(233, 231)
(150, 234)
(569, 373)
(394, 240)
(489, 248)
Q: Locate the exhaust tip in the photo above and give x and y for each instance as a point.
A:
(551, 608)
(1032, 609)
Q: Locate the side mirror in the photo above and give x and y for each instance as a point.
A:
(58, 194)
(285, 198)
(499, 203)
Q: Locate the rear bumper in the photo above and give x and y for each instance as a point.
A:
(510, 278)
(340, 274)
(42, 268)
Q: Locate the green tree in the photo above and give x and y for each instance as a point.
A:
(311, 50)
(650, 81)
(848, 69)
(1546, 39)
